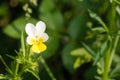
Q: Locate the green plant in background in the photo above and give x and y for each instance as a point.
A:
(103, 58)
(26, 59)
(83, 39)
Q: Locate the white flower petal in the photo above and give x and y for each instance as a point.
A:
(45, 36)
(29, 39)
(40, 27)
(30, 29)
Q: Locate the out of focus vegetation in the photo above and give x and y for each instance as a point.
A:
(69, 26)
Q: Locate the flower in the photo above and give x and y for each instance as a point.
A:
(36, 36)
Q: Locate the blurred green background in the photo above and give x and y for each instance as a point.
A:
(68, 24)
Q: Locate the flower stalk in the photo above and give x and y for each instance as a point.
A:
(112, 45)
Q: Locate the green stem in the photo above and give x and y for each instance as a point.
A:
(111, 50)
(107, 63)
(22, 70)
(111, 18)
(16, 70)
(109, 57)
(47, 68)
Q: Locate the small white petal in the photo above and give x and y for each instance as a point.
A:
(30, 29)
(29, 39)
(45, 36)
(40, 27)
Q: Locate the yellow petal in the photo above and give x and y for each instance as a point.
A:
(39, 48)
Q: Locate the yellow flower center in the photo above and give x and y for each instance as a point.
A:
(32, 40)
(40, 39)
(38, 45)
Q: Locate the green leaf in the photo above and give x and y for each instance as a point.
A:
(17, 26)
(117, 1)
(34, 73)
(54, 20)
(67, 59)
(10, 56)
(100, 69)
(101, 52)
(95, 16)
(86, 4)
(50, 6)
(116, 58)
(7, 68)
(77, 26)
(51, 15)
(23, 44)
(2, 76)
(98, 29)
(116, 71)
(82, 57)
(80, 52)
(78, 62)
(90, 51)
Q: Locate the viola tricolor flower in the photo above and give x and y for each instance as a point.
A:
(36, 36)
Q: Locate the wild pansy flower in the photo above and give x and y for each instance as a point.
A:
(36, 36)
